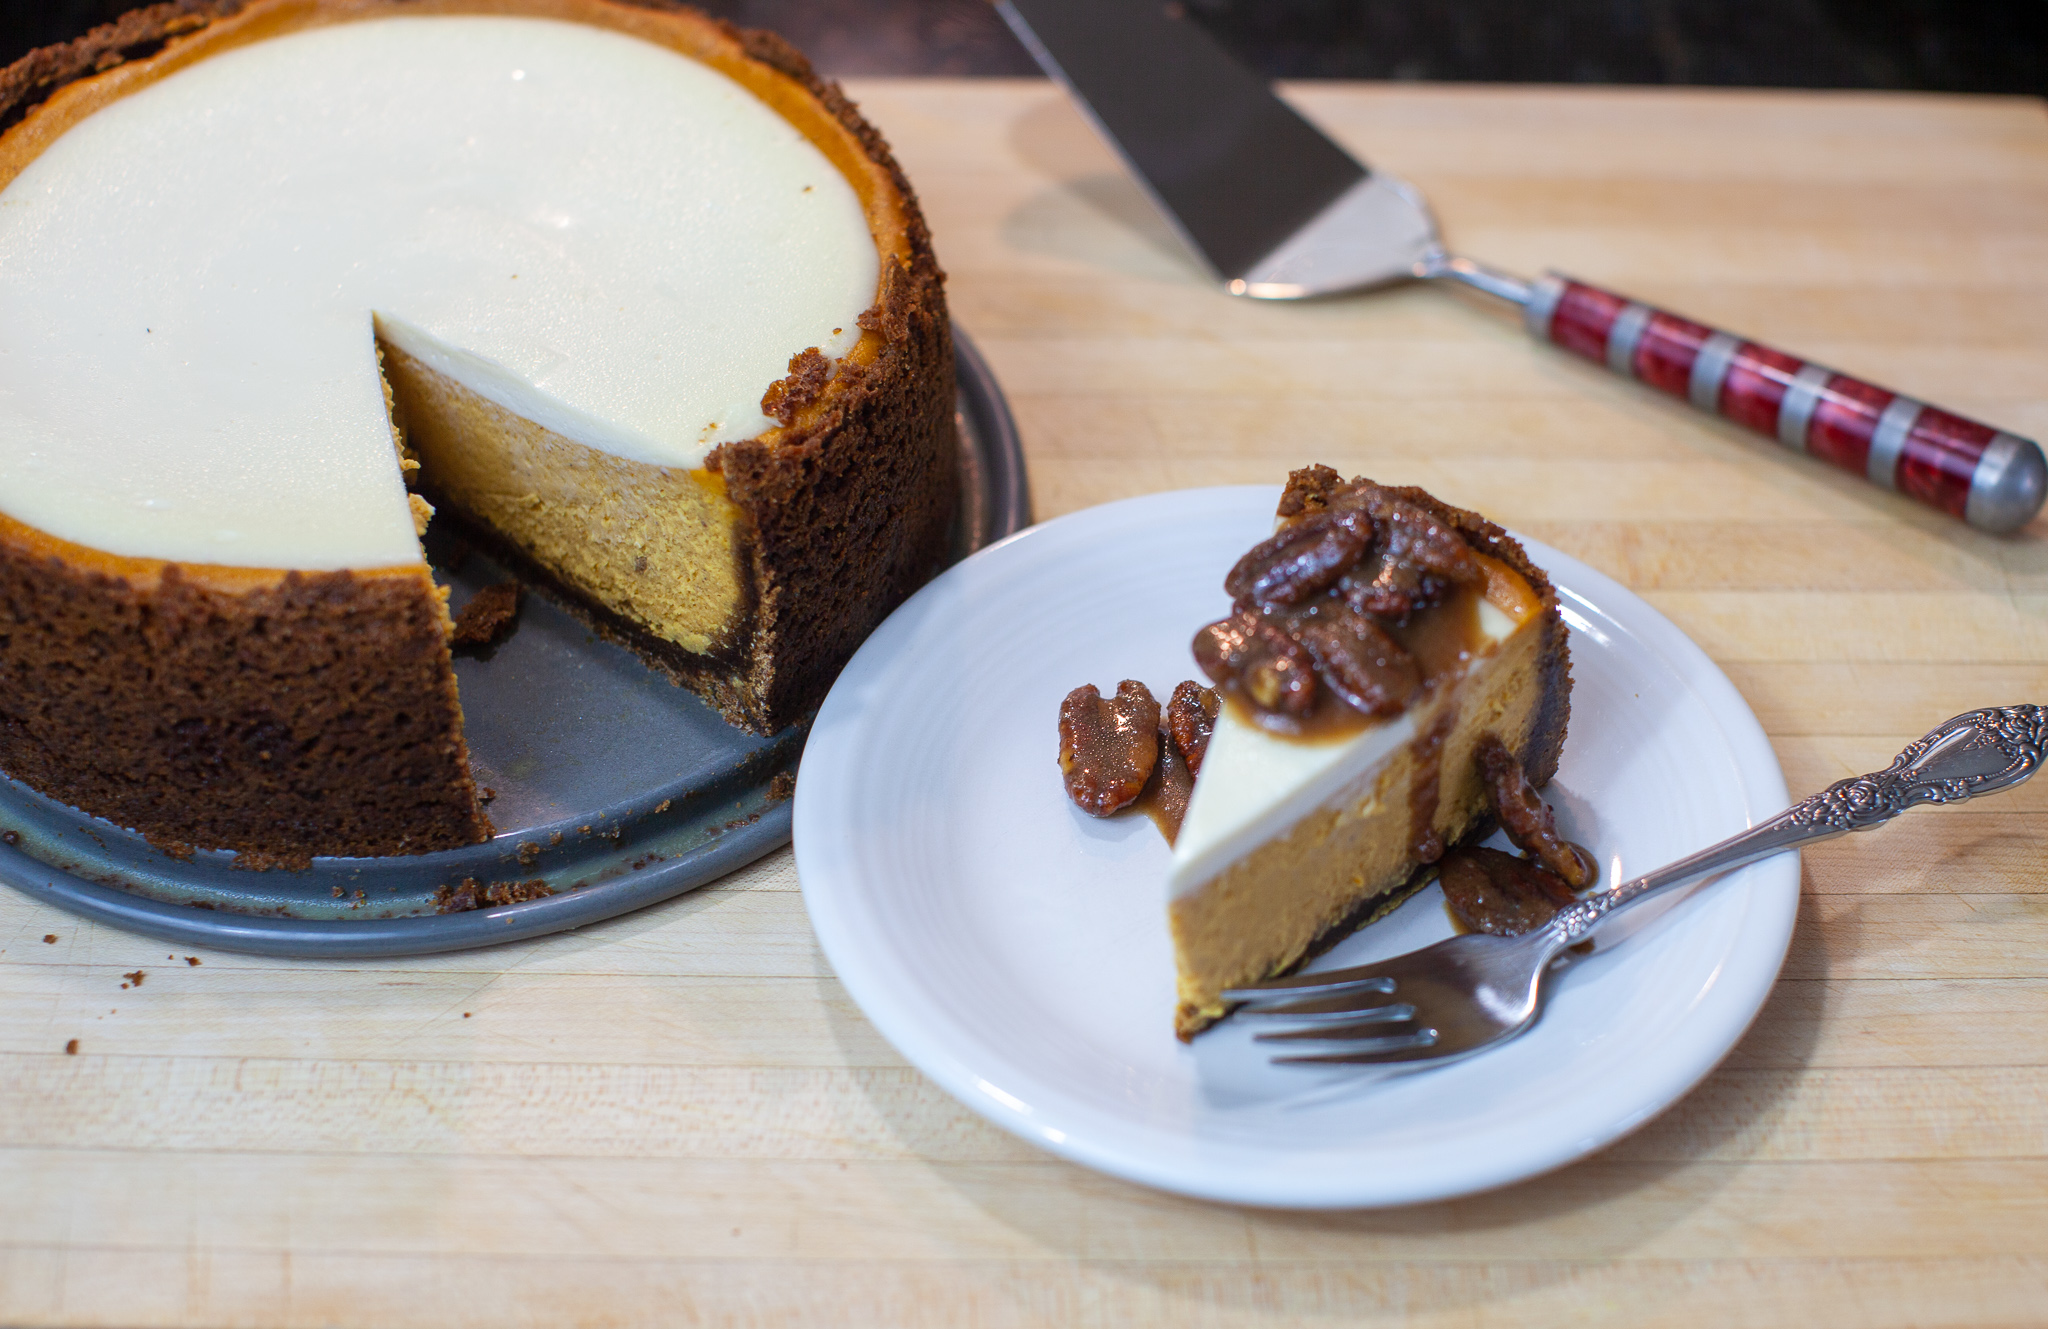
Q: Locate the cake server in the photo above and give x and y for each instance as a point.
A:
(1475, 991)
(1279, 212)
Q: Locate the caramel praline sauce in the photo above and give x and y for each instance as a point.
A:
(1444, 641)
(1165, 799)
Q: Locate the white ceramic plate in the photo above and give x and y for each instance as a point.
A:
(1015, 950)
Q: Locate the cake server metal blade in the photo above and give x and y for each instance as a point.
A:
(1270, 203)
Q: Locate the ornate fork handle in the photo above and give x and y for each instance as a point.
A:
(1980, 752)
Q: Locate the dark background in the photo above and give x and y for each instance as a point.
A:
(1958, 46)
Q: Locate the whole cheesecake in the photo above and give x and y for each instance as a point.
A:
(1301, 828)
(632, 294)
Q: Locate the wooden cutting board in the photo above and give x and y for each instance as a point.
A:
(678, 1117)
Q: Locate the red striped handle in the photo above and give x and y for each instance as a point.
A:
(1989, 478)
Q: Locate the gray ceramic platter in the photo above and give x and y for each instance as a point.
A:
(614, 787)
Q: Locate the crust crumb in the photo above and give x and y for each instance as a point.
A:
(472, 894)
(488, 614)
(785, 399)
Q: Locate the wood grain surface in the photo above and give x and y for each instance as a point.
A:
(680, 1118)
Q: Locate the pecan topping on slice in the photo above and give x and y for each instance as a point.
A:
(1528, 820)
(1361, 663)
(1282, 678)
(1222, 647)
(1190, 718)
(1272, 670)
(1303, 560)
(1411, 535)
(1501, 894)
(1417, 562)
(1311, 602)
(1391, 592)
(1108, 745)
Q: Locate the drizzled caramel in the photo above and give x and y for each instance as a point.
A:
(1165, 798)
(1444, 641)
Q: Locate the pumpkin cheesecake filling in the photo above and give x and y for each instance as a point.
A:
(659, 546)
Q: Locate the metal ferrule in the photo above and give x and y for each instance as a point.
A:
(1888, 440)
(1623, 337)
(1795, 412)
(1544, 293)
(1710, 370)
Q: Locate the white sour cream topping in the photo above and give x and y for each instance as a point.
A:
(596, 233)
(1255, 785)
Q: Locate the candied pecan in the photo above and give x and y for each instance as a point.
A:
(1527, 819)
(1190, 718)
(1249, 653)
(1415, 563)
(1281, 677)
(1108, 745)
(1300, 561)
(1388, 590)
(1361, 663)
(1500, 894)
(1222, 647)
(1412, 536)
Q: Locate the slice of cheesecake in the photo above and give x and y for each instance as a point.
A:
(1313, 815)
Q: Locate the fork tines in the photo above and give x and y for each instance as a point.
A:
(1417, 1046)
(1365, 978)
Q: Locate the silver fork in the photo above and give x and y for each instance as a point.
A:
(1473, 992)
